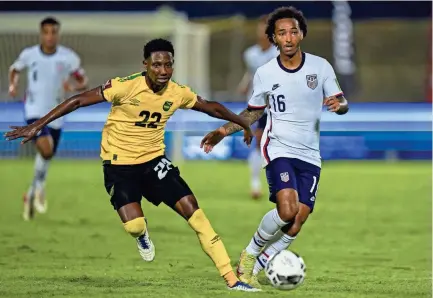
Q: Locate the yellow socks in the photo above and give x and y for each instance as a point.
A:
(135, 227)
(212, 245)
(230, 279)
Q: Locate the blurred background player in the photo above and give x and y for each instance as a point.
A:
(50, 67)
(254, 57)
(292, 86)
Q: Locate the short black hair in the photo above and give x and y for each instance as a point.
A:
(285, 13)
(49, 21)
(157, 45)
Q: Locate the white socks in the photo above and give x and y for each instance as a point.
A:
(269, 226)
(255, 162)
(41, 168)
(282, 243)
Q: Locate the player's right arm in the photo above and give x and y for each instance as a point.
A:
(14, 70)
(84, 99)
(256, 107)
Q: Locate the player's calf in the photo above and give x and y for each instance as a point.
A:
(210, 241)
(283, 239)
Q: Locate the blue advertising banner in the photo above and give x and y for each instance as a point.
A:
(368, 131)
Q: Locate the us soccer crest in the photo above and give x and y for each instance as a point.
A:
(312, 81)
(167, 105)
(284, 176)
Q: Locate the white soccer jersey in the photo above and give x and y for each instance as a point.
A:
(294, 99)
(254, 57)
(45, 76)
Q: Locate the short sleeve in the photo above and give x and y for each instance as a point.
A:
(331, 87)
(258, 98)
(113, 90)
(22, 61)
(189, 98)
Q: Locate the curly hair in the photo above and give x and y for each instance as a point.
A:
(285, 13)
(157, 45)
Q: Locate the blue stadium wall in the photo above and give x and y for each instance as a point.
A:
(368, 131)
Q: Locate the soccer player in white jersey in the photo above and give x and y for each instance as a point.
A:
(52, 69)
(294, 86)
(254, 57)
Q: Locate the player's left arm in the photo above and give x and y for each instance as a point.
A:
(217, 110)
(190, 100)
(334, 96)
(77, 74)
(337, 104)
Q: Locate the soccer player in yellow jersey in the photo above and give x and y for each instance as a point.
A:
(132, 150)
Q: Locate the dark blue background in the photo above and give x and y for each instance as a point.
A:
(313, 9)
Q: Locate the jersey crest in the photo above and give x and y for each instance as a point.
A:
(284, 176)
(312, 81)
(167, 105)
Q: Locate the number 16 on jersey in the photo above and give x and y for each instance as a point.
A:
(277, 101)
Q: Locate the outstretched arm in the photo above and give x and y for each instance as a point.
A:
(84, 99)
(250, 114)
(217, 110)
(214, 137)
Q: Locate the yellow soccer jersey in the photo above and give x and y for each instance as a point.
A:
(134, 130)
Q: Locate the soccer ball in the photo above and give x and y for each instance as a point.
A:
(285, 270)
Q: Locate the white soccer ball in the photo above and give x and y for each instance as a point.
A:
(286, 270)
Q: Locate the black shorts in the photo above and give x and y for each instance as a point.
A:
(157, 180)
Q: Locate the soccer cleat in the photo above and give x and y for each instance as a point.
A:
(245, 267)
(145, 246)
(28, 212)
(241, 286)
(39, 201)
(254, 282)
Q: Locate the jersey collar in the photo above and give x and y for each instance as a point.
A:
(46, 54)
(291, 70)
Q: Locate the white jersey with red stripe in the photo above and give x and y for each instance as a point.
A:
(294, 99)
(46, 74)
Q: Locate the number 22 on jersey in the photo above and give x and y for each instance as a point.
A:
(154, 117)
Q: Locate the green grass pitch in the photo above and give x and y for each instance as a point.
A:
(370, 234)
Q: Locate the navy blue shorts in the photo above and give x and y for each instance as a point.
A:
(293, 173)
(47, 131)
(261, 123)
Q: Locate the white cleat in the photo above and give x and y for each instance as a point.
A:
(146, 247)
(39, 201)
(28, 212)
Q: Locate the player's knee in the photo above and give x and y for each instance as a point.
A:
(135, 227)
(187, 206)
(47, 155)
(287, 204)
(288, 214)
